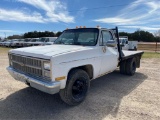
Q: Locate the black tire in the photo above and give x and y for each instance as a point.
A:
(76, 88)
(123, 67)
(131, 66)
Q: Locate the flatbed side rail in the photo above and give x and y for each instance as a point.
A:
(133, 55)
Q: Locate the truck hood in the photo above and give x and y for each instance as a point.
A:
(46, 52)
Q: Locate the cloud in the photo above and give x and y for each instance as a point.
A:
(81, 12)
(14, 15)
(140, 13)
(53, 11)
(143, 27)
(117, 21)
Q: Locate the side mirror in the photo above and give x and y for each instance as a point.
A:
(126, 42)
(111, 43)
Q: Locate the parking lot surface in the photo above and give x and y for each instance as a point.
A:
(113, 96)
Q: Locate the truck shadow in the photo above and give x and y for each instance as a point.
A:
(104, 99)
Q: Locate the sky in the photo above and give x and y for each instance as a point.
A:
(20, 16)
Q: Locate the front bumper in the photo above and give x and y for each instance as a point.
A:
(45, 86)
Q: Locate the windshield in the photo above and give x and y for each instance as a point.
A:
(86, 37)
(9, 41)
(22, 40)
(41, 40)
(16, 40)
(122, 40)
(52, 40)
(34, 40)
(27, 40)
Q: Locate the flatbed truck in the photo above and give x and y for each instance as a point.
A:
(67, 67)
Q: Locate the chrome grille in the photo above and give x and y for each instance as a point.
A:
(27, 69)
(27, 65)
(27, 61)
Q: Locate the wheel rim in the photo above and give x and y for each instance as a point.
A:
(79, 88)
(133, 67)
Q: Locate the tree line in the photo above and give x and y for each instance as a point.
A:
(138, 35)
(141, 35)
(35, 34)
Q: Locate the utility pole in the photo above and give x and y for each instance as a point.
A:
(5, 35)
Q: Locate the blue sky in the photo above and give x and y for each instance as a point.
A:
(20, 16)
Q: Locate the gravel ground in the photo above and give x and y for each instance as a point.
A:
(113, 96)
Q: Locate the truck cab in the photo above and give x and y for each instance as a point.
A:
(76, 57)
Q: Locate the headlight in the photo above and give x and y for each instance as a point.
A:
(46, 65)
(47, 74)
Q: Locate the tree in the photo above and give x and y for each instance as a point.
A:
(36, 34)
(123, 34)
(157, 36)
(48, 34)
(15, 37)
(141, 35)
(126, 34)
(58, 34)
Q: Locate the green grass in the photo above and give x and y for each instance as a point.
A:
(4, 50)
(151, 55)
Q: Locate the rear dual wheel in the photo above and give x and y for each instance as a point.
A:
(128, 67)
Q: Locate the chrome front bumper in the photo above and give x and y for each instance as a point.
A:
(48, 87)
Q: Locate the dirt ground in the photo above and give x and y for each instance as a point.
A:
(111, 97)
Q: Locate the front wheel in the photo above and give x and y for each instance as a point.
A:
(76, 88)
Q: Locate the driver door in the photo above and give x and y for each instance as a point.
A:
(109, 55)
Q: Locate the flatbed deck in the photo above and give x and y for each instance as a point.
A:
(130, 54)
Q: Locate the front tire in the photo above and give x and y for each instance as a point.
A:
(76, 89)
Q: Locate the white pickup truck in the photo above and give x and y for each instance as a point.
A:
(44, 41)
(127, 45)
(77, 57)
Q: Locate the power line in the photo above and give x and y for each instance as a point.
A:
(86, 9)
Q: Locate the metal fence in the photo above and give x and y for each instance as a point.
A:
(151, 46)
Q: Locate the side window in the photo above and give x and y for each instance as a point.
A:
(47, 40)
(105, 36)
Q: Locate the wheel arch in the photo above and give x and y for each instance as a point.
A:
(87, 68)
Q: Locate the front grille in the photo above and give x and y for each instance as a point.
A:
(27, 65)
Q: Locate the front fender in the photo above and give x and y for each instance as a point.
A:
(63, 69)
